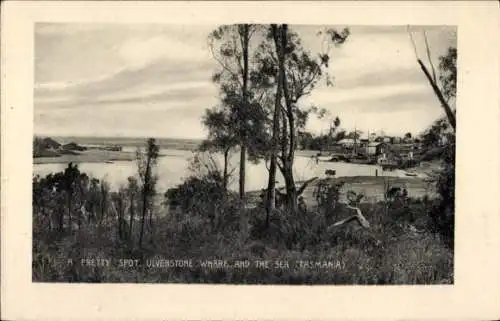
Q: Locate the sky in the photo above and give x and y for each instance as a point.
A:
(155, 80)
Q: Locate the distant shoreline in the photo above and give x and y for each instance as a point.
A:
(103, 156)
(88, 156)
(93, 155)
(175, 143)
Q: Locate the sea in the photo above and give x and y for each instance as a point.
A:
(173, 167)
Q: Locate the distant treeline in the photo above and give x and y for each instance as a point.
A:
(174, 143)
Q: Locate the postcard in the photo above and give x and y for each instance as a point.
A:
(204, 160)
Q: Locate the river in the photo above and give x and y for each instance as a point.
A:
(172, 168)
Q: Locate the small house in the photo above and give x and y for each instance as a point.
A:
(376, 148)
(402, 148)
(363, 142)
(396, 140)
(346, 142)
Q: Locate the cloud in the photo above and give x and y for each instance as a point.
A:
(365, 94)
(72, 52)
(122, 119)
(364, 54)
(409, 116)
(154, 79)
(139, 51)
(403, 75)
(140, 84)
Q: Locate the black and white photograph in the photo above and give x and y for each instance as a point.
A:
(249, 160)
(279, 154)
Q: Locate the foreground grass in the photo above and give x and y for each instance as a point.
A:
(399, 248)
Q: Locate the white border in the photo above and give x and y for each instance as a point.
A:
(476, 293)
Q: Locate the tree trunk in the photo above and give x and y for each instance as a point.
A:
(242, 172)
(121, 219)
(151, 218)
(131, 219)
(304, 186)
(143, 218)
(291, 190)
(226, 164)
(271, 186)
(50, 222)
(144, 200)
(437, 91)
(289, 135)
(245, 41)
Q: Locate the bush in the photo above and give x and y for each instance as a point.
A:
(196, 193)
(443, 214)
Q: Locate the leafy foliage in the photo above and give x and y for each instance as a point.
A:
(196, 193)
(436, 134)
(448, 73)
(443, 214)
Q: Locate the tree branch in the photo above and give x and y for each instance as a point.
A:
(437, 91)
(358, 216)
(429, 58)
(305, 184)
(224, 66)
(280, 166)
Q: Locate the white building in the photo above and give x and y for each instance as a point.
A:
(346, 142)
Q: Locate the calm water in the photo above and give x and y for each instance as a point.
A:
(173, 168)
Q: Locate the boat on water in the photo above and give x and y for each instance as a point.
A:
(337, 158)
(109, 162)
(324, 158)
(360, 159)
(410, 173)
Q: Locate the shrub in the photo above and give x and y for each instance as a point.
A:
(443, 214)
(196, 193)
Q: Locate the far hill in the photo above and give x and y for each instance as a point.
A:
(173, 143)
(74, 146)
(49, 143)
